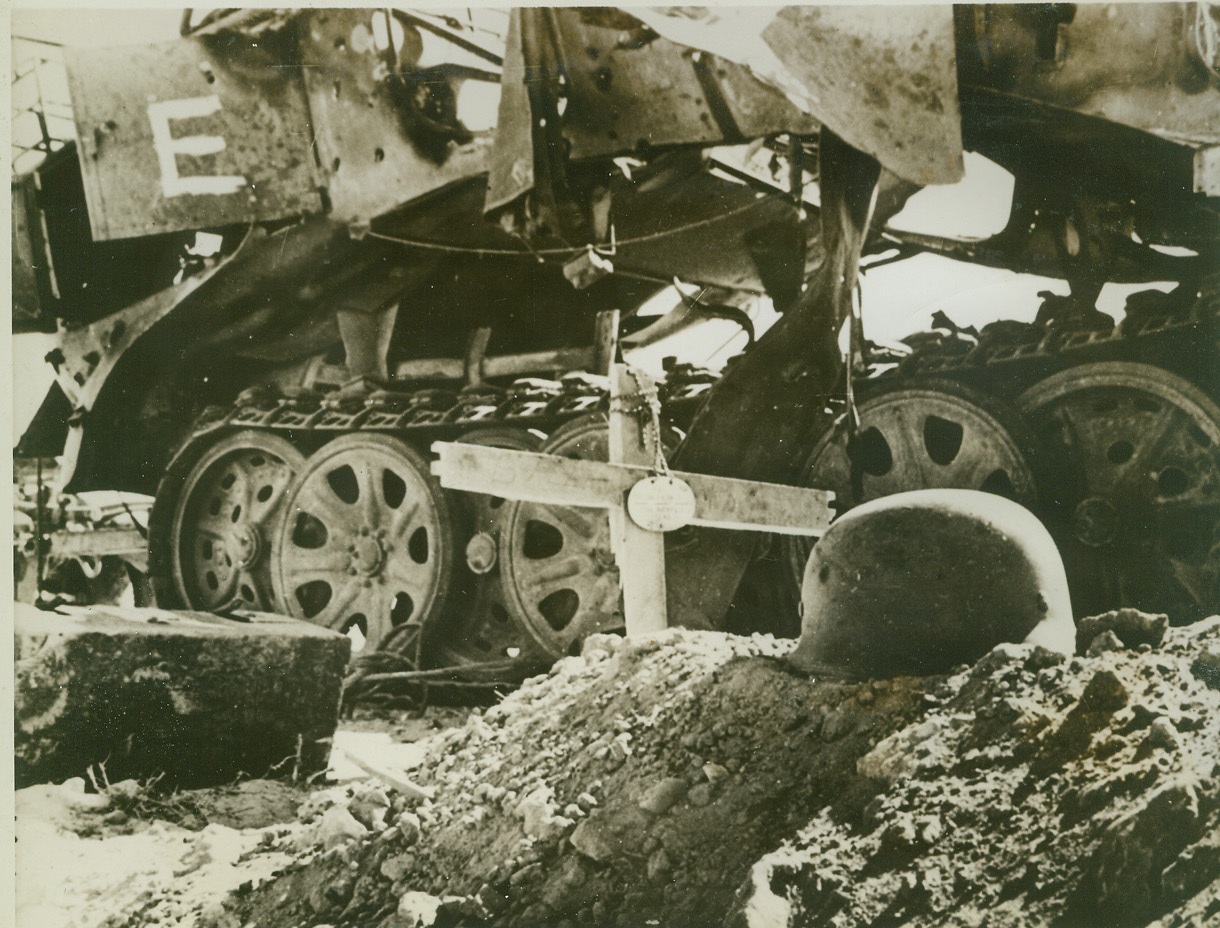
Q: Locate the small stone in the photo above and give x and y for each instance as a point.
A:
(900, 834)
(605, 835)
(616, 754)
(213, 915)
(837, 724)
(525, 874)
(700, 795)
(409, 825)
(586, 801)
(663, 795)
(395, 868)
(659, 865)
(369, 805)
(930, 831)
(568, 885)
(419, 909)
(492, 899)
(1206, 667)
(537, 810)
(336, 827)
(1106, 641)
(593, 841)
(1163, 734)
(332, 894)
(866, 695)
(715, 773)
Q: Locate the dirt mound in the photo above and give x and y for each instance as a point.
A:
(697, 781)
(1035, 793)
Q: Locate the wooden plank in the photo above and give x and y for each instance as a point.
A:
(640, 554)
(476, 354)
(605, 342)
(721, 502)
(523, 475)
(726, 502)
(430, 369)
(561, 359)
(98, 543)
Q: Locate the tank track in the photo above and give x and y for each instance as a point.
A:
(418, 415)
(1005, 358)
(431, 414)
(1176, 331)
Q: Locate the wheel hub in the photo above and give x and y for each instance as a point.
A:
(479, 628)
(481, 553)
(368, 556)
(1096, 521)
(247, 546)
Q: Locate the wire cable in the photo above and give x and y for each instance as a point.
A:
(570, 251)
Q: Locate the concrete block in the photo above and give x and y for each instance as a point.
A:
(196, 697)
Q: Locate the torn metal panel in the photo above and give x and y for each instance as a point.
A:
(190, 134)
(887, 84)
(1143, 65)
(628, 88)
(31, 267)
(386, 130)
(510, 169)
(86, 355)
(677, 220)
(758, 419)
(623, 88)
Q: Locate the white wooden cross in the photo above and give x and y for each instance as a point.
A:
(643, 504)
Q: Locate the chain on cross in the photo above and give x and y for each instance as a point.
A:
(645, 404)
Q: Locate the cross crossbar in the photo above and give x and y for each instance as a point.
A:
(642, 503)
(720, 502)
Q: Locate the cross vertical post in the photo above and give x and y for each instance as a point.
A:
(639, 553)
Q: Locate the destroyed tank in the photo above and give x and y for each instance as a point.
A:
(309, 252)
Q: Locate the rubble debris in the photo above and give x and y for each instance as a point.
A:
(194, 697)
(1130, 627)
(919, 582)
(1078, 793)
(695, 780)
